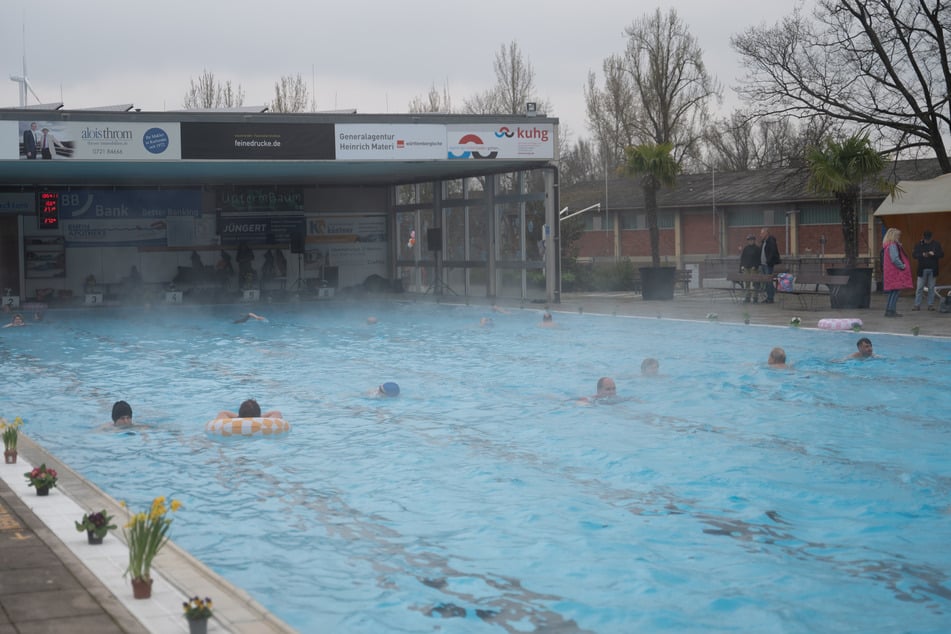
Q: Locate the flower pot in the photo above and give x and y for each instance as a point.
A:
(198, 626)
(658, 283)
(10, 456)
(43, 490)
(142, 588)
(92, 539)
(857, 293)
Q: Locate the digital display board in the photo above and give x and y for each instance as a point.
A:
(47, 206)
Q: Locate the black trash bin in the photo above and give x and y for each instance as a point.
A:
(658, 282)
(857, 293)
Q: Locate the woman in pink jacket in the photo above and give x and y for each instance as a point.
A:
(896, 270)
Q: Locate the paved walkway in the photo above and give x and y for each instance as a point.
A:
(699, 303)
(45, 588)
(52, 581)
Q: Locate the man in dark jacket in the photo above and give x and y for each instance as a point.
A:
(750, 263)
(927, 252)
(769, 257)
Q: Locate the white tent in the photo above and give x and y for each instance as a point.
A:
(919, 197)
(922, 206)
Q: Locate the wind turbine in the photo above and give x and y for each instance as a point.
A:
(24, 82)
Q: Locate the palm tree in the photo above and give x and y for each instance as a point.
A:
(840, 168)
(656, 167)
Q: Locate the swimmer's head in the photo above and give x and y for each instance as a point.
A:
(390, 389)
(121, 411)
(371, 320)
(546, 316)
(249, 409)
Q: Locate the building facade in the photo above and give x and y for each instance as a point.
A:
(215, 203)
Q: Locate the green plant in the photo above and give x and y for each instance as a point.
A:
(41, 477)
(146, 534)
(856, 326)
(712, 316)
(11, 432)
(795, 322)
(656, 166)
(839, 168)
(97, 523)
(197, 609)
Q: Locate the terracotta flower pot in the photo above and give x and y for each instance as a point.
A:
(142, 588)
(10, 456)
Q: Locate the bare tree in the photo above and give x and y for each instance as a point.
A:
(744, 142)
(483, 103)
(612, 111)
(516, 79)
(435, 101)
(514, 87)
(671, 81)
(579, 163)
(668, 84)
(208, 93)
(878, 66)
(290, 95)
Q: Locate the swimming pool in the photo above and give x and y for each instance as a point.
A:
(723, 496)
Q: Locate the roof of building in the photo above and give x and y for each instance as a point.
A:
(756, 187)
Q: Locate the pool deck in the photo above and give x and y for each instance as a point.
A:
(52, 582)
(698, 304)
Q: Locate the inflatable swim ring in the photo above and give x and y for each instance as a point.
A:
(840, 324)
(247, 427)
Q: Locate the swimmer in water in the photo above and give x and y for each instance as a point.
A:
(250, 409)
(241, 320)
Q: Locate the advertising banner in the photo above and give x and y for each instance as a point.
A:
(104, 204)
(382, 142)
(260, 199)
(259, 230)
(99, 217)
(347, 241)
(17, 204)
(97, 141)
(258, 141)
(114, 232)
(521, 140)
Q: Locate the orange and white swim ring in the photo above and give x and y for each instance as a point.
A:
(228, 427)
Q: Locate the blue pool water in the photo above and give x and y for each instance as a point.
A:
(721, 496)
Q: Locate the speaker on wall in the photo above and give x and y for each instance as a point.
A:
(434, 239)
(297, 242)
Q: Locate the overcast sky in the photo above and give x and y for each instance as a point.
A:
(375, 56)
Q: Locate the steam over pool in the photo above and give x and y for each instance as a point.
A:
(717, 496)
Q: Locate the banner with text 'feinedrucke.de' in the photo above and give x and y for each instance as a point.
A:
(258, 141)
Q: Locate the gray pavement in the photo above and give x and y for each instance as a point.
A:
(45, 589)
(698, 303)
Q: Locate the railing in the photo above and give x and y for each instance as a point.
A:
(718, 268)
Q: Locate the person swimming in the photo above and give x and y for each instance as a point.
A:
(389, 389)
(121, 414)
(241, 320)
